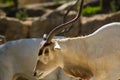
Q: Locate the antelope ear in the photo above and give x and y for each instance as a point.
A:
(57, 46)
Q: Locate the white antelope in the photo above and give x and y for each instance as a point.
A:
(18, 58)
(96, 56)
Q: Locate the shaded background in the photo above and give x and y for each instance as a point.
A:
(33, 18)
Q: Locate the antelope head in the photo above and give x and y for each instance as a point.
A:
(47, 57)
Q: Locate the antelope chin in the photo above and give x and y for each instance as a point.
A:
(39, 76)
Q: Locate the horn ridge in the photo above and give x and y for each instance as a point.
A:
(63, 25)
(69, 11)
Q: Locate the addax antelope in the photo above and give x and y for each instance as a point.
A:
(96, 56)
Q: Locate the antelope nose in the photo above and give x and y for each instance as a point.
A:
(35, 73)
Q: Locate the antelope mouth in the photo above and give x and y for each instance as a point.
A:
(38, 75)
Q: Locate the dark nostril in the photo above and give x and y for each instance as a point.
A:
(35, 73)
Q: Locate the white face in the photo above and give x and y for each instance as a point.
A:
(47, 62)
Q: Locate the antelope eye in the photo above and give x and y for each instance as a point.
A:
(46, 52)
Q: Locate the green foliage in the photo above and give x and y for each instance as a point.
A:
(9, 3)
(0, 1)
(22, 15)
(113, 6)
(91, 10)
